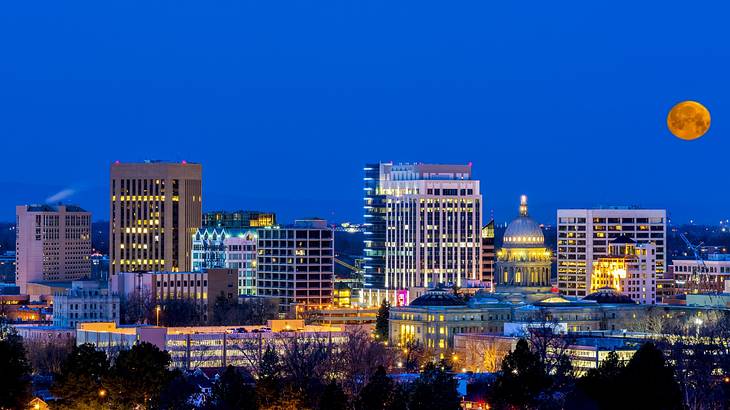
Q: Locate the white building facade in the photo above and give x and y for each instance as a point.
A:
(584, 235)
(433, 226)
(86, 301)
(227, 248)
(706, 276)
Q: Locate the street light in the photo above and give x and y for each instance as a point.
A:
(157, 311)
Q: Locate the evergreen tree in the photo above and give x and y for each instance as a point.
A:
(79, 383)
(522, 379)
(650, 380)
(333, 398)
(381, 321)
(138, 376)
(435, 389)
(269, 381)
(15, 381)
(377, 393)
(590, 390)
(231, 392)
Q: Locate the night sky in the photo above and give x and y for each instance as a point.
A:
(284, 101)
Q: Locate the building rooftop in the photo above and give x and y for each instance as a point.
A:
(438, 297)
(53, 208)
(609, 295)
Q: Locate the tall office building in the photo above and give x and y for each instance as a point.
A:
(155, 210)
(53, 243)
(238, 219)
(374, 226)
(431, 215)
(584, 235)
(295, 264)
(629, 269)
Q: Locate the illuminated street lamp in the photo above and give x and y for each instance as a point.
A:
(157, 312)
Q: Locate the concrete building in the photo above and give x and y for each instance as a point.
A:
(629, 268)
(208, 346)
(431, 218)
(584, 234)
(296, 264)
(202, 288)
(488, 255)
(238, 220)
(86, 301)
(523, 261)
(707, 276)
(155, 209)
(227, 248)
(53, 243)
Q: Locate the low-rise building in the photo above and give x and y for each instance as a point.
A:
(692, 276)
(85, 301)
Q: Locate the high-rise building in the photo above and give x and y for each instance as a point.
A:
(227, 248)
(629, 269)
(295, 264)
(53, 244)
(523, 261)
(488, 255)
(155, 210)
(238, 219)
(584, 235)
(374, 226)
(433, 225)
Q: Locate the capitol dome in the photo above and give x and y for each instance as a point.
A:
(523, 232)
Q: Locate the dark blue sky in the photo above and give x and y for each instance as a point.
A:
(284, 101)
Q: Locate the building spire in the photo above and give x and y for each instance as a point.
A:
(523, 205)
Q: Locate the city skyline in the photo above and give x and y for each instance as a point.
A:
(535, 107)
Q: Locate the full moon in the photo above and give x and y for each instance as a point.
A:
(688, 120)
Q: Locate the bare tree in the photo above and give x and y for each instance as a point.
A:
(46, 356)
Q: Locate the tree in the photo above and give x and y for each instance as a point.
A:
(522, 379)
(333, 398)
(47, 356)
(138, 376)
(590, 390)
(78, 385)
(650, 380)
(177, 393)
(269, 378)
(231, 392)
(180, 312)
(381, 321)
(15, 382)
(138, 307)
(435, 389)
(376, 395)
(358, 358)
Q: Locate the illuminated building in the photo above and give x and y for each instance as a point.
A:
(584, 234)
(240, 220)
(432, 226)
(295, 264)
(202, 288)
(210, 346)
(227, 248)
(629, 269)
(85, 301)
(374, 226)
(523, 261)
(53, 244)
(710, 274)
(488, 255)
(155, 209)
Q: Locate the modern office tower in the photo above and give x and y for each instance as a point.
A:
(374, 226)
(584, 234)
(702, 277)
(85, 301)
(295, 264)
(227, 248)
(629, 268)
(523, 260)
(433, 225)
(155, 210)
(53, 243)
(488, 255)
(241, 220)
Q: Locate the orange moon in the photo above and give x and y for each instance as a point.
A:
(688, 120)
